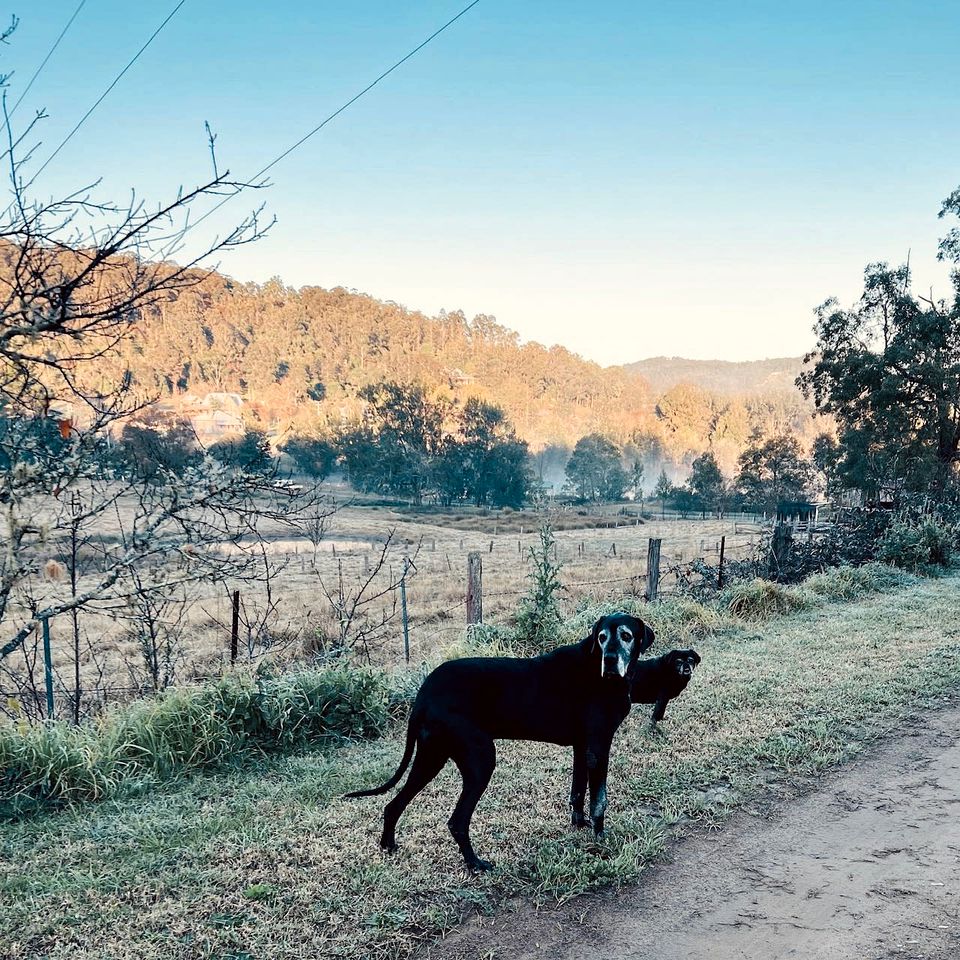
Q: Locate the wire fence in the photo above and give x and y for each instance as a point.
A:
(439, 602)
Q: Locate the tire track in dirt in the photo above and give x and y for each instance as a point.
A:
(864, 867)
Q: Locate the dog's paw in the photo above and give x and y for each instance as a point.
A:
(388, 846)
(479, 866)
(578, 821)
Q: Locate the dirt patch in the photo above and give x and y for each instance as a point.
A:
(864, 867)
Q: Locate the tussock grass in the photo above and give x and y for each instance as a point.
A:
(183, 730)
(848, 583)
(264, 860)
(759, 599)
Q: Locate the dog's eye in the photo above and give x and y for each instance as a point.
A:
(626, 634)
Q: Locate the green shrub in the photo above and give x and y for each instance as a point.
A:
(915, 544)
(402, 689)
(185, 729)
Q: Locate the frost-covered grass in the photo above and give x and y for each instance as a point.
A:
(262, 859)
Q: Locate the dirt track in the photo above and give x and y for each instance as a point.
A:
(866, 867)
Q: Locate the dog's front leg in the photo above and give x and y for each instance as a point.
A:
(578, 788)
(598, 758)
(659, 710)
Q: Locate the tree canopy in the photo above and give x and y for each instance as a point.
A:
(888, 370)
(594, 471)
(772, 471)
(413, 445)
(706, 482)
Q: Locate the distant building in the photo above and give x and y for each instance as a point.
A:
(799, 511)
(213, 425)
(223, 401)
(217, 416)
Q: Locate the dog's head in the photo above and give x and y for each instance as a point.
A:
(683, 662)
(619, 639)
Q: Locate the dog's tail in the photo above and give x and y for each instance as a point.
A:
(395, 779)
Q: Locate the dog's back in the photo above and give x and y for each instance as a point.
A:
(541, 698)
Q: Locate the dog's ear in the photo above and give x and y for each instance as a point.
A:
(594, 637)
(645, 635)
(695, 656)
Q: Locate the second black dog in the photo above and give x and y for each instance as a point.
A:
(577, 695)
(660, 679)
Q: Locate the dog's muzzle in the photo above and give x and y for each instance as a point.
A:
(613, 666)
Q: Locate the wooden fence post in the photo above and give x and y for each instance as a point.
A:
(235, 628)
(403, 610)
(780, 549)
(47, 666)
(723, 544)
(474, 588)
(653, 567)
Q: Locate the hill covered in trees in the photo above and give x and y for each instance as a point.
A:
(777, 375)
(302, 359)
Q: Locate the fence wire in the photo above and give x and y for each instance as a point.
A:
(586, 563)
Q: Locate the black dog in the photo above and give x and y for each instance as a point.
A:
(660, 679)
(577, 695)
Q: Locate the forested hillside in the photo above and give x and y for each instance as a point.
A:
(775, 375)
(300, 357)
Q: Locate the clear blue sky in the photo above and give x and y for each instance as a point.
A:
(628, 179)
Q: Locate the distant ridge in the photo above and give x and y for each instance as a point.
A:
(777, 375)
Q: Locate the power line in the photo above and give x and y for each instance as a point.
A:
(103, 95)
(56, 44)
(386, 73)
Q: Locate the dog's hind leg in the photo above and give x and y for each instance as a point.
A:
(427, 763)
(578, 788)
(475, 754)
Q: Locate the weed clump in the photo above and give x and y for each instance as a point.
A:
(539, 618)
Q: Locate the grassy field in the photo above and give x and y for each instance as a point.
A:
(263, 860)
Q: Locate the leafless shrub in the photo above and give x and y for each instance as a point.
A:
(364, 606)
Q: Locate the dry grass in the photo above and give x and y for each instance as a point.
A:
(263, 860)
